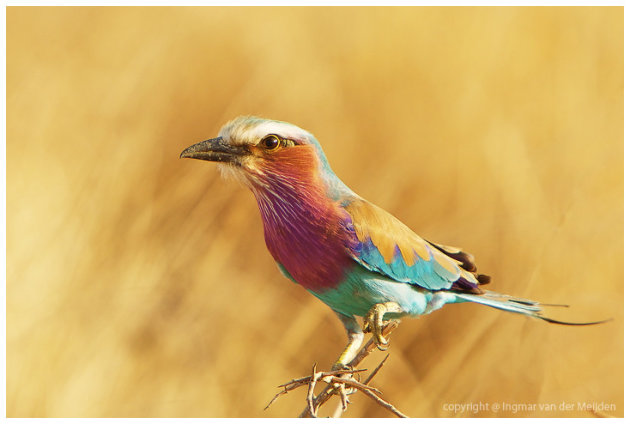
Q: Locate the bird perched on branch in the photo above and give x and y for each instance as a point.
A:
(354, 256)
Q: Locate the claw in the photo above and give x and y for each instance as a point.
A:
(340, 388)
(380, 341)
(373, 322)
(382, 344)
(338, 366)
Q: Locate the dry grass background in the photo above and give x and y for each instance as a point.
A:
(138, 284)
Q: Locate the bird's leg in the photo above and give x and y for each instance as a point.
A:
(373, 322)
(355, 338)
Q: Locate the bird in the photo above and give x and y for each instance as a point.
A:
(355, 257)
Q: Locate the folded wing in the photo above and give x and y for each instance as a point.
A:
(389, 247)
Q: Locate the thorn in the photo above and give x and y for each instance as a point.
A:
(377, 369)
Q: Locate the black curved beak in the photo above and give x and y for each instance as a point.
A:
(215, 150)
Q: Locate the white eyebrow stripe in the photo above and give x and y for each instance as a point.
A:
(282, 129)
(250, 130)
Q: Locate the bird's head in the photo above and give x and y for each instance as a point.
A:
(260, 152)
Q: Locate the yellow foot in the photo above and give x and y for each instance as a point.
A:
(373, 322)
(347, 373)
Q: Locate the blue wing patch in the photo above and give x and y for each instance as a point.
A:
(387, 246)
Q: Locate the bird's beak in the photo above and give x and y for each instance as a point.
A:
(215, 150)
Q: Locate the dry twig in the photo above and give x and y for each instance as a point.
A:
(338, 383)
(316, 376)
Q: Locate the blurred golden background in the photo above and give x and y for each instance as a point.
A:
(139, 284)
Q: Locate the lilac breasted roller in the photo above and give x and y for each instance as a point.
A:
(354, 256)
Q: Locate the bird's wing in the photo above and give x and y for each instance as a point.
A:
(389, 247)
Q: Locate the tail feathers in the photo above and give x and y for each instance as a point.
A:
(555, 321)
(517, 305)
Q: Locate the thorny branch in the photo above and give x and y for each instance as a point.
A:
(342, 383)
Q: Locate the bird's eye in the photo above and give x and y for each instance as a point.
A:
(270, 142)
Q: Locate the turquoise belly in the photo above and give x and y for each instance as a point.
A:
(362, 289)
